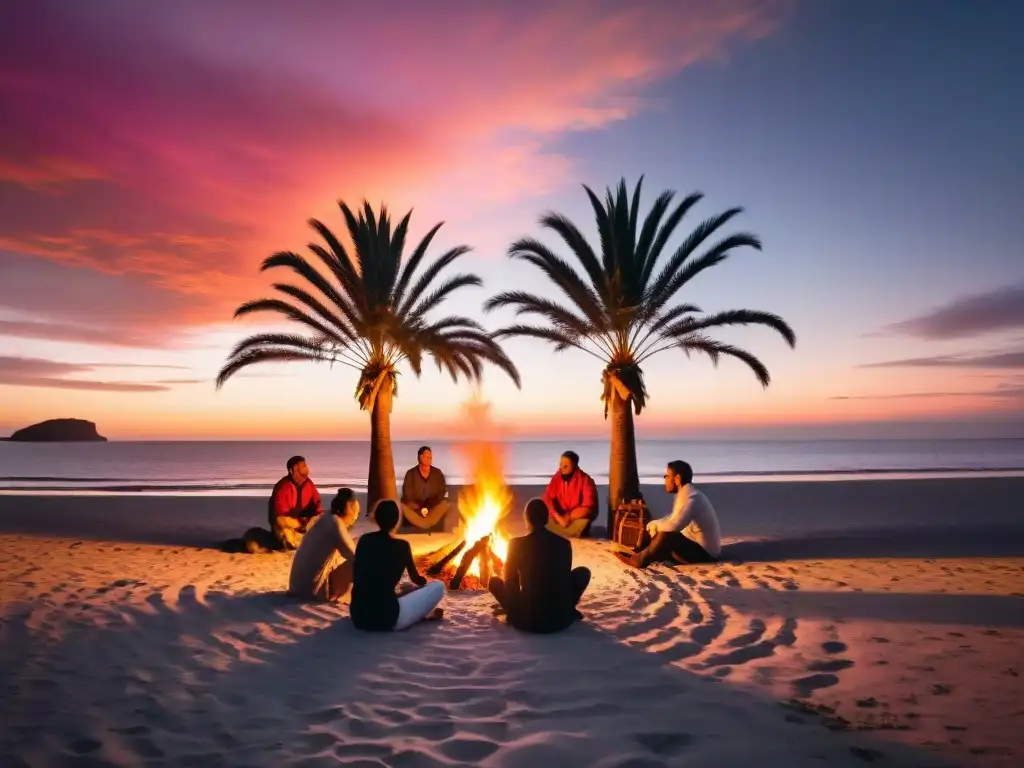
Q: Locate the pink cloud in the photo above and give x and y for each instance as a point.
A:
(51, 374)
(175, 145)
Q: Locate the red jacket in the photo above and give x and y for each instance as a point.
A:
(289, 498)
(580, 491)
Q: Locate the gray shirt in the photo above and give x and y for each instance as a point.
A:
(324, 547)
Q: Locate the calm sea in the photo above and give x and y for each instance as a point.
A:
(244, 468)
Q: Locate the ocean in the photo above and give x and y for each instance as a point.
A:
(252, 467)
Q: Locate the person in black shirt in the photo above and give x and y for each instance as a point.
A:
(541, 588)
(425, 494)
(377, 568)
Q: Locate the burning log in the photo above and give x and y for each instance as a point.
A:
(482, 547)
(439, 566)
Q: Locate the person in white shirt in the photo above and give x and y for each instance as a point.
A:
(322, 567)
(689, 534)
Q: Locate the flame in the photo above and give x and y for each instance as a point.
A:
(485, 501)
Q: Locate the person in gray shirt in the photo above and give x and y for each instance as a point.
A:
(425, 494)
(322, 567)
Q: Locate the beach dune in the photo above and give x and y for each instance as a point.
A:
(848, 622)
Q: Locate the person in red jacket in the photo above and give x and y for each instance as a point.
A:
(294, 504)
(571, 498)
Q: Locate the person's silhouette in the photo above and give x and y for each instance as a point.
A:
(541, 588)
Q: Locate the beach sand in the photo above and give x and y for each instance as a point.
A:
(852, 622)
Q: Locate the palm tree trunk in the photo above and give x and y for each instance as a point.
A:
(381, 482)
(623, 477)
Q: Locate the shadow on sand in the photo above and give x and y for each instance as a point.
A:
(906, 542)
(902, 607)
(257, 679)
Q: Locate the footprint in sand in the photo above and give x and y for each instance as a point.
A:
(806, 686)
(757, 629)
(85, 746)
(664, 744)
(829, 665)
(833, 646)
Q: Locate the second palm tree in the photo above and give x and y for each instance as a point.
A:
(620, 309)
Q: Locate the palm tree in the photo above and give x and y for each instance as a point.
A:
(620, 308)
(369, 312)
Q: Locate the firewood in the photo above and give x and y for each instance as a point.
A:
(467, 560)
(437, 567)
(485, 564)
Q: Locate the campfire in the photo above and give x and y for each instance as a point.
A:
(481, 547)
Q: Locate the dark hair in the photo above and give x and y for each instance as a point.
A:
(681, 468)
(340, 502)
(423, 449)
(573, 457)
(536, 513)
(386, 514)
(293, 461)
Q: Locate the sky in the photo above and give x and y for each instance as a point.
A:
(151, 155)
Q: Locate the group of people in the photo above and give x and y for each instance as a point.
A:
(539, 590)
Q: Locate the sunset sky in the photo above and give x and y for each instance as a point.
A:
(152, 154)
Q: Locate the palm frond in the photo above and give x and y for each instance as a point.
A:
(653, 243)
(429, 275)
(733, 317)
(318, 307)
(716, 255)
(412, 265)
(292, 313)
(715, 349)
(564, 276)
(528, 304)
(260, 355)
(580, 248)
(442, 292)
(342, 265)
(692, 242)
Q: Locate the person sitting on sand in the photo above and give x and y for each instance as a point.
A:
(689, 534)
(424, 493)
(322, 567)
(541, 589)
(379, 562)
(294, 503)
(571, 498)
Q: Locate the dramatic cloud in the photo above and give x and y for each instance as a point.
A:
(171, 146)
(998, 310)
(1011, 359)
(51, 374)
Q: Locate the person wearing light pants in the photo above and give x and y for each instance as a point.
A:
(379, 563)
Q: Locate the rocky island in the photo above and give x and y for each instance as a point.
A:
(59, 431)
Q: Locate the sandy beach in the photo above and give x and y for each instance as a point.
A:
(851, 622)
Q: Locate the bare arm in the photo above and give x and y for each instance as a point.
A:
(346, 546)
(410, 568)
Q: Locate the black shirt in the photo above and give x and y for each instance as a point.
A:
(376, 570)
(539, 581)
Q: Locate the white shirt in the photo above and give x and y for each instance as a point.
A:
(323, 548)
(693, 514)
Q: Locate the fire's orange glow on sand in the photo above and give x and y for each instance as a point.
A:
(484, 503)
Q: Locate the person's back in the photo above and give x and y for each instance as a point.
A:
(543, 562)
(540, 588)
(379, 562)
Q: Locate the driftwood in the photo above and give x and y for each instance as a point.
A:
(437, 567)
(477, 549)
